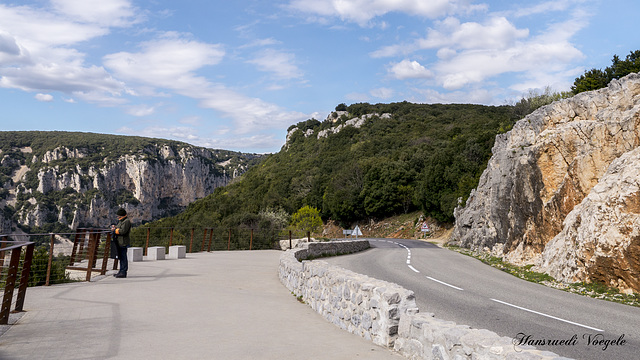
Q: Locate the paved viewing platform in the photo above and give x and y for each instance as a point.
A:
(219, 305)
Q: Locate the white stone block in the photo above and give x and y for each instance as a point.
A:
(177, 252)
(155, 253)
(134, 254)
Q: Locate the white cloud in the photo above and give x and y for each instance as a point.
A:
(472, 52)
(357, 97)
(182, 133)
(167, 62)
(281, 64)
(496, 33)
(362, 11)
(407, 69)
(171, 62)
(44, 97)
(118, 13)
(37, 47)
(382, 93)
(191, 120)
(141, 110)
(473, 96)
(192, 135)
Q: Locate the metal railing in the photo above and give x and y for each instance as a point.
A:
(46, 259)
(15, 271)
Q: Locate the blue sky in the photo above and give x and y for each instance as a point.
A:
(236, 74)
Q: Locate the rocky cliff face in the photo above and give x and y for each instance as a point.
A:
(60, 186)
(558, 191)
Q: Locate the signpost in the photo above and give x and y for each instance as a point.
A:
(356, 231)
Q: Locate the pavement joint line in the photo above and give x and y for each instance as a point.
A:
(414, 269)
(549, 316)
(444, 283)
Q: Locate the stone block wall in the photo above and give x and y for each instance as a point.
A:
(356, 303)
(386, 313)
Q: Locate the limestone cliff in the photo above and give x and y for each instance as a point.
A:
(558, 193)
(84, 186)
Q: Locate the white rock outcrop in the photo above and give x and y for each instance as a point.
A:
(542, 170)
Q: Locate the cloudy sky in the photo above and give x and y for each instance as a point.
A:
(236, 74)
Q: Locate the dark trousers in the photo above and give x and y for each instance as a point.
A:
(122, 256)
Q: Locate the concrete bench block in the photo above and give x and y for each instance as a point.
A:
(177, 252)
(134, 254)
(155, 253)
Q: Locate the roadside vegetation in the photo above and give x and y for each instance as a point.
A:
(594, 290)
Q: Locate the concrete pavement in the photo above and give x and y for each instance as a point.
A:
(220, 305)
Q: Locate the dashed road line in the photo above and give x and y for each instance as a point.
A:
(549, 316)
(414, 269)
(444, 283)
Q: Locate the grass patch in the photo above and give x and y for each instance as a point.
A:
(594, 290)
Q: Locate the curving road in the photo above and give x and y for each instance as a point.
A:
(459, 288)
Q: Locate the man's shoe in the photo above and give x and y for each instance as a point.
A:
(121, 275)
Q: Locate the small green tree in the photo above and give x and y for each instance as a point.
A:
(307, 219)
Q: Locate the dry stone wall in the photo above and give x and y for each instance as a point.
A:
(384, 312)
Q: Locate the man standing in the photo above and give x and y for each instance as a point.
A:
(122, 241)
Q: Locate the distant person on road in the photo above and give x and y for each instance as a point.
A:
(122, 241)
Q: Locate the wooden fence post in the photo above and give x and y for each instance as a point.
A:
(105, 256)
(147, 245)
(24, 277)
(9, 285)
(50, 264)
(204, 239)
(191, 241)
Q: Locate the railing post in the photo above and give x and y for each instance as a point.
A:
(251, 241)
(191, 241)
(50, 263)
(24, 277)
(9, 285)
(309, 236)
(290, 246)
(147, 245)
(91, 252)
(210, 239)
(76, 238)
(229, 243)
(170, 237)
(2, 245)
(96, 236)
(204, 239)
(105, 256)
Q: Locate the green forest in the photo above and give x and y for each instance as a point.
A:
(424, 157)
(421, 157)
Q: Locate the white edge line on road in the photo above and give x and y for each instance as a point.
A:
(444, 283)
(414, 269)
(549, 316)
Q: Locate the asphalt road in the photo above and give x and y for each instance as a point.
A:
(459, 288)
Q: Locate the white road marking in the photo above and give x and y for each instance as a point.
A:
(444, 283)
(414, 269)
(549, 316)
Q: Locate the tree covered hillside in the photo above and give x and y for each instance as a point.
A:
(355, 166)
